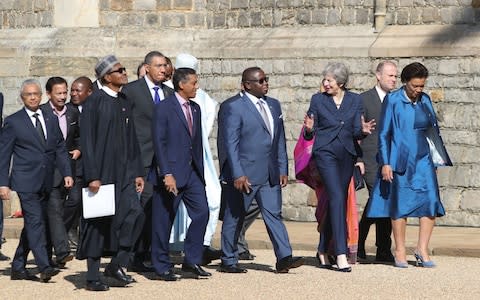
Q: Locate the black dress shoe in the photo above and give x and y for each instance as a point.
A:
(361, 254)
(168, 276)
(345, 270)
(139, 267)
(289, 262)
(196, 270)
(48, 273)
(246, 256)
(96, 286)
(117, 273)
(231, 269)
(212, 253)
(22, 275)
(3, 257)
(384, 256)
(62, 261)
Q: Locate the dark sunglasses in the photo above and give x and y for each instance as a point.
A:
(119, 70)
(260, 81)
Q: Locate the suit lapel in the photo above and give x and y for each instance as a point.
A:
(376, 96)
(33, 130)
(69, 121)
(148, 95)
(346, 103)
(254, 111)
(275, 114)
(179, 110)
(329, 104)
(195, 116)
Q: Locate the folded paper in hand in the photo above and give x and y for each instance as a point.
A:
(100, 204)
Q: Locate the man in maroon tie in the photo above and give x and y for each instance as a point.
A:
(178, 174)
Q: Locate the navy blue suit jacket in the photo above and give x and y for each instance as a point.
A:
(176, 152)
(330, 122)
(245, 147)
(33, 161)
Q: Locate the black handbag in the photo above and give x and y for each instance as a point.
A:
(358, 178)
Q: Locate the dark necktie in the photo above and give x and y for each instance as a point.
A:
(263, 112)
(39, 127)
(189, 117)
(156, 99)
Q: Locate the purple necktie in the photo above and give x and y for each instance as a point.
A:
(189, 118)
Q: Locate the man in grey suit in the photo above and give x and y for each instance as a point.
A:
(386, 74)
(253, 164)
(144, 93)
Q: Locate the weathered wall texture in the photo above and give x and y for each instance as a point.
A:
(245, 13)
(292, 41)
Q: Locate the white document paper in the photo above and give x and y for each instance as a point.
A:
(101, 204)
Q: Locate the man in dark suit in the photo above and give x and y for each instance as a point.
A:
(144, 93)
(178, 174)
(34, 143)
(80, 89)
(254, 164)
(2, 256)
(55, 108)
(386, 74)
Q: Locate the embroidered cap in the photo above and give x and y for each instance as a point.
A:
(105, 65)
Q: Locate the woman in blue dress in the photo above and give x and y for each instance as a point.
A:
(407, 185)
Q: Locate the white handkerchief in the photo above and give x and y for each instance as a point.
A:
(101, 204)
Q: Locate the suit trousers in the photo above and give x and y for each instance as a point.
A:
(164, 209)
(55, 213)
(383, 226)
(335, 165)
(34, 232)
(250, 216)
(269, 199)
(142, 247)
(72, 209)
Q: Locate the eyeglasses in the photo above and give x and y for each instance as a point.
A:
(119, 70)
(260, 81)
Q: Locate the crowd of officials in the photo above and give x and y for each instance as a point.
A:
(149, 138)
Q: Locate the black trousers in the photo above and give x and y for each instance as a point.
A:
(55, 213)
(143, 245)
(72, 207)
(383, 226)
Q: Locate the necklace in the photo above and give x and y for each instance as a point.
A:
(338, 99)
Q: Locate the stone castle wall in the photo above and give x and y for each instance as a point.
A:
(216, 14)
(291, 40)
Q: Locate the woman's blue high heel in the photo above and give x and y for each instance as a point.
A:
(401, 264)
(423, 263)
